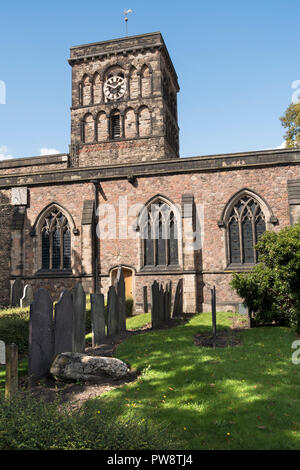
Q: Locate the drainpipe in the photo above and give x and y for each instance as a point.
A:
(96, 245)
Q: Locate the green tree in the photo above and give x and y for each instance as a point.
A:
(291, 121)
(272, 289)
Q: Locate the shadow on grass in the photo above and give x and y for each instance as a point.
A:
(244, 397)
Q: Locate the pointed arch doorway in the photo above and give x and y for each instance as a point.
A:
(128, 277)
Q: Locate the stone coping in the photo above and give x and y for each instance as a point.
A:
(219, 162)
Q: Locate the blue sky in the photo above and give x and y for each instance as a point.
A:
(235, 60)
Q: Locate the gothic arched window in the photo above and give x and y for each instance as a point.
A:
(245, 224)
(56, 241)
(160, 235)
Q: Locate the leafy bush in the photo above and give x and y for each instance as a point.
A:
(27, 423)
(272, 289)
(14, 328)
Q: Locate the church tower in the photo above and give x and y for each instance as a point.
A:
(124, 102)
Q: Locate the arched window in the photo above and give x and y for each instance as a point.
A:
(115, 125)
(145, 81)
(102, 131)
(86, 91)
(97, 88)
(144, 121)
(56, 241)
(245, 223)
(88, 129)
(159, 234)
(129, 124)
(133, 83)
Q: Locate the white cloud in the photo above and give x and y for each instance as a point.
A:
(46, 151)
(4, 155)
(281, 146)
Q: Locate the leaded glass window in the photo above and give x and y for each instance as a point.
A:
(56, 241)
(160, 236)
(245, 225)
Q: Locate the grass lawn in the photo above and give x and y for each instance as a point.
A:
(243, 397)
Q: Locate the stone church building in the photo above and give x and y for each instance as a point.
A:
(122, 196)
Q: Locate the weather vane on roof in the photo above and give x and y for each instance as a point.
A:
(126, 12)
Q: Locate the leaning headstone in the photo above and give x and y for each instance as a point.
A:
(120, 288)
(145, 298)
(113, 323)
(97, 318)
(155, 304)
(2, 353)
(178, 302)
(17, 292)
(64, 323)
(79, 304)
(28, 295)
(41, 335)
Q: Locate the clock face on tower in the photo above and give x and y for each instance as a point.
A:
(114, 87)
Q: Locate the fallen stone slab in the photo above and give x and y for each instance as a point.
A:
(77, 366)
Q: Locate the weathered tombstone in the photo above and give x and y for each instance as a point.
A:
(155, 304)
(97, 318)
(64, 324)
(214, 315)
(79, 306)
(17, 292)
(167, 302)
(161, 305)
(11, 379)
(145, 298)
(2, 353)
(28, 295)
(113, 323)
(243, 309)
(120, 289)
(41, 335)
(178, 302)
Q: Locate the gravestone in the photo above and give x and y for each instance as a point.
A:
(17, 292)
(97, 318)
(243, 309)
(161, 305)
(178, 302)
(145, 298)
(79, 304)
(214, 315)
(167, 302)
(2, 352)
(113, 323)
(155, 304)
(64, 323)
(120, 289)
(11, 376)
(41, 335)
(28, 295)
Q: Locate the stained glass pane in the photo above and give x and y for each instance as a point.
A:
(173, 245)
(45, 250)
(234, 242)
(56, 250)
(148, 246)
(247, 234)
(260, 228)
(161, 257)
(67, 250)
